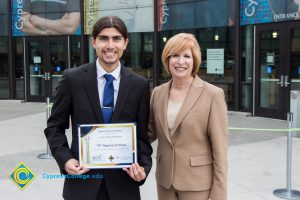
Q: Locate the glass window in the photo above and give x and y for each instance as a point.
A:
(246, 67)
(75, 51)
(4, 68)
(220, 41)
(139, 54)
(18, 67)
(193, 14)
(3, 17)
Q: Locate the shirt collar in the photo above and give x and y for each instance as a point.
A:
(101, 72)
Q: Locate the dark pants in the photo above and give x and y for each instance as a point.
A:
(103, 194)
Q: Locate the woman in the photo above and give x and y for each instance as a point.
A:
(188, 116)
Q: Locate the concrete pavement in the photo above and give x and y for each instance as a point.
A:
(257, 160)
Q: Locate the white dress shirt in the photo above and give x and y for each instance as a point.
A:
(101, 81)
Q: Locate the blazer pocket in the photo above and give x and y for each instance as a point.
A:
(201, 160)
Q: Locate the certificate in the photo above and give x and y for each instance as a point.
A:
(107, 145)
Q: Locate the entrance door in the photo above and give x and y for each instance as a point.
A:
(46, 60)
(277, 61)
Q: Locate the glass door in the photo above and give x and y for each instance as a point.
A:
(272, 71)
(295, 59)
(58, 62)
(36, 69)
(46, 60)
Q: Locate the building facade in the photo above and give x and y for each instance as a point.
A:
(249, 47)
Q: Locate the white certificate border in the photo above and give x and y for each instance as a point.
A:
(108, 165)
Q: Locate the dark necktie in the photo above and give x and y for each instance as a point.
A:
(108, 99)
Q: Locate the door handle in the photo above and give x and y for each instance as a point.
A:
(286, 79)
(47, 76)
(281, 81)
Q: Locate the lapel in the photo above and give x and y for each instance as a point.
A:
(89, 77)
(124, 88)
(192, 96)
(162, 111)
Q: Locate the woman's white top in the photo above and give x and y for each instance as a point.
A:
(172, 112)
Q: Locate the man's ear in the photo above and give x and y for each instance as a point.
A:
(126, 43)
(93, 41)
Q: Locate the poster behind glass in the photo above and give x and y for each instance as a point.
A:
(40, 17)
(137, 14)
(265, 11)
(186, 14)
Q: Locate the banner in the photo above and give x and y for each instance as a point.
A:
(45, 17)
(137, 14)
(265, 11)
(187, 14)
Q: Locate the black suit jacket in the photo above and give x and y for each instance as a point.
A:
(77, 96)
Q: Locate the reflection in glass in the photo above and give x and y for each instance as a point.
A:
(269, 69)
(4, 68)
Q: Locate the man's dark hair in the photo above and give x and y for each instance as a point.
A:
(110, 22)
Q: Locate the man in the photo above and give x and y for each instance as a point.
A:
(51, 17)
(80, 95)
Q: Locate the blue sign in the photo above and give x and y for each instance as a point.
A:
(58, 68)
(298, 70)
(265, 11)
(269, 69)
(36, 69)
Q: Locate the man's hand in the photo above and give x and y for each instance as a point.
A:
(136, 172)
(72, 167)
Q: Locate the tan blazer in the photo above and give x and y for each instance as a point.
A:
(195, 157)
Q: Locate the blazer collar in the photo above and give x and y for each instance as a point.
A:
(162, 115)
(192, 96)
